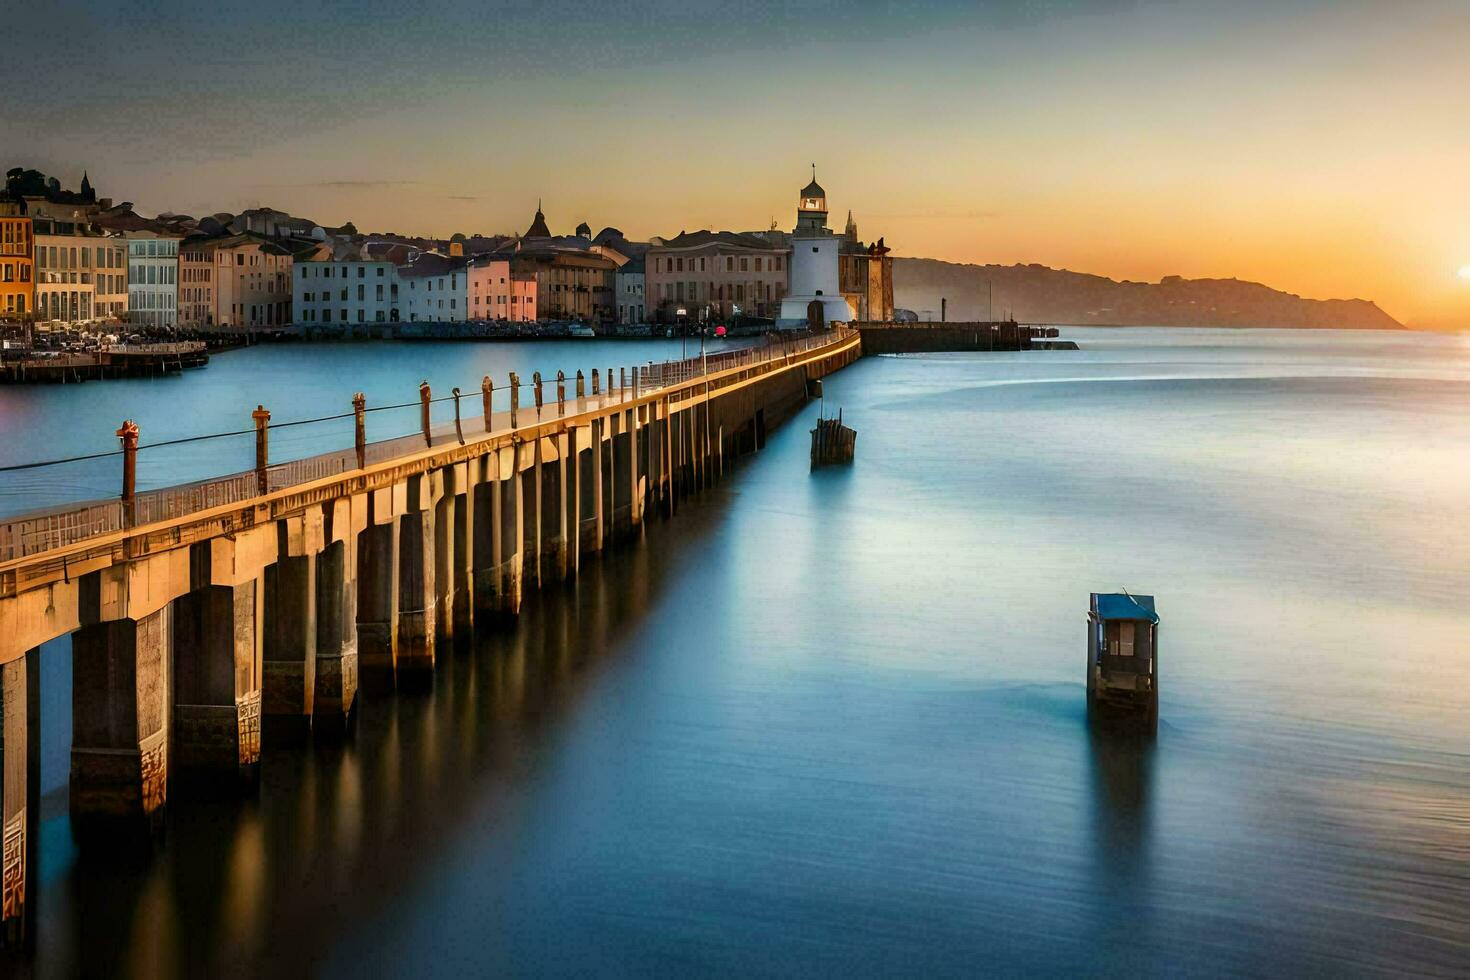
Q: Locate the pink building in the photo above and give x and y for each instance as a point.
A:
(496, 293)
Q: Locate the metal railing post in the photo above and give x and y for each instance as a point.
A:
(487, 389)
(425, 395)
(596, 386)
(459, 432)
(359, 413)
(561, 393)
(515, 399)
(538, 392)
(581, 385)
(262, 448)
(128, 433)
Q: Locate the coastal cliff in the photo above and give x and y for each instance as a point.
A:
(1038, 294)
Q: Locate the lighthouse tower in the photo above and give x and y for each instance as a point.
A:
(815, 298)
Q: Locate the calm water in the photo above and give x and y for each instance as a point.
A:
(833, 723)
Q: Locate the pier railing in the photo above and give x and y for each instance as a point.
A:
(505, 409)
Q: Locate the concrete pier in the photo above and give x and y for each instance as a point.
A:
(119, 738)
(20, 798)
(418, 603)
(288, 681)
(217, 683)
(335, 690)
(377, 595)
(205, 616)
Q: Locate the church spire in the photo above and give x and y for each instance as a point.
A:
(87, 193)
(538, 227)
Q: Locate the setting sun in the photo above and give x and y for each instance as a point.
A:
(1464, 273)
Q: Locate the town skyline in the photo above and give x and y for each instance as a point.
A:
(1308, 146)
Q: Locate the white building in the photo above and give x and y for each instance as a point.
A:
(436, 289)
(345, 292)
(630, 282)
(153, 278)
(815, 296)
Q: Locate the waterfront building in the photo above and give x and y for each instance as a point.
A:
(81, 275)
(816, 295)
(705, 275)
(153, 277)
(564, 276)
(196, 284)
(345, 291)
(497, 293)
(17, 260)
(240, 282)
(865, 276)
(436, 288)
(630, 281)
(252, 283)
(571, 283)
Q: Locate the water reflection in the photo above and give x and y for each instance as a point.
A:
(1122, 769)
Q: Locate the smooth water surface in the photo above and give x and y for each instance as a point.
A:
(833, 723)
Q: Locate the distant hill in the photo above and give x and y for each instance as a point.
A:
(1037, 294)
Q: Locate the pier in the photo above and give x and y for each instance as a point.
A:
(926, 337)
(207, 620)
(124, 361)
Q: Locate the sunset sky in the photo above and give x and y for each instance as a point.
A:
(1320, 147)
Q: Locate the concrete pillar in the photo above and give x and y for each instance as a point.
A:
(336, 636)
(288, 648)
(666, 460)
(498, 539)
(484, 498)
(20, 798)
(417, 600)
(119, 734)
(462, 538)
(443, 561)
(531, 550)
(633, 470)
(377, 601)
(553, 523)
(599, 459)
(691, 448)
(217, 679)
(572, 476)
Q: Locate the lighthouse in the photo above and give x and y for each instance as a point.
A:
(815, 298)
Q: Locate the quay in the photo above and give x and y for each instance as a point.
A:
(929, 337)
(121, 361)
